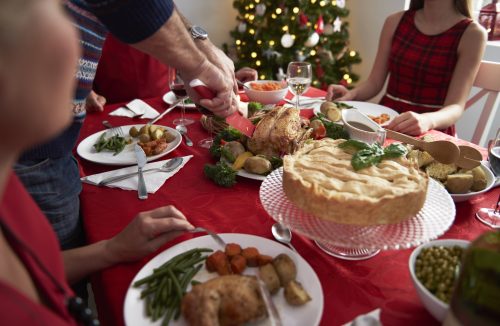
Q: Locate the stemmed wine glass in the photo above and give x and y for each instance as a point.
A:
(490, 216)
(177, 87)
(299, 75)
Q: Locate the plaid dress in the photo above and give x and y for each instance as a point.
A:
(421, 67)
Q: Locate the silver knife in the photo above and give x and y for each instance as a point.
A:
(141, 161)
(173, 106)
(274, 315)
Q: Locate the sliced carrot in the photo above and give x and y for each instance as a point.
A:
(233, 249)
(251, 254)
(238, 264)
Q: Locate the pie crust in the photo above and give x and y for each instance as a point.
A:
(320, 180)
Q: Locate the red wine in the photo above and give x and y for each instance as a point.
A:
(494, 158)
(179, 90)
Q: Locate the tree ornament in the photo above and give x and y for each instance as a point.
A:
(319, 71)
(270, 54)
(312, 40)
(260, 9)
(242, 27)
(280, 75)
(299, 56)
(337, 24)
(320, 25)
(341, 3)
(328, 30)
(287, 40)
(303, 20)
(325, 55)
(341, 53)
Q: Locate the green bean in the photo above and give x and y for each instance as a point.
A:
(176, 284)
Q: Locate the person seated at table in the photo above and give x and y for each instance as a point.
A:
(34, 276)
(431, 53)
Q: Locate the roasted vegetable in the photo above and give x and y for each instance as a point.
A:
(251, 254)
(226, 135)
(240, 160)
(221, 173)
(459, 183)
(232, 249)
(285, 268)
(268, 274)
(295, 294)
(333, 130)
(238, 264)
(480, 181)
(114, 144)
(258, 165)
(253, 107)
(232, 150)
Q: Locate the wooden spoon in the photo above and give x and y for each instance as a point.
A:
(469, 157)
(442, 151)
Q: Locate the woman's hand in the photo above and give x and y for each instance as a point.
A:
(411, 123)
(339, 93)
(94, 102)
(146, 233)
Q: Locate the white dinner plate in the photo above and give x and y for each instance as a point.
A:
(170, 98)
(367, 108)
(308, 314)
(244, 174)
(126, 157)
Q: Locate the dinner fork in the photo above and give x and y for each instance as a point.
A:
(113, 131)
(214, 235)
(169, 166)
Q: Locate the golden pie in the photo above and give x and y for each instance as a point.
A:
(320, 180)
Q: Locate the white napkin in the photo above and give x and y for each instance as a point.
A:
(136, 108)
(154, 180)
(370, 319)
(307, 102)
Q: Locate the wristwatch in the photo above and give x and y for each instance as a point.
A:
(198, 33)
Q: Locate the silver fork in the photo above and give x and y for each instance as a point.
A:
(113, 131)
(169, 166)
(214, 235)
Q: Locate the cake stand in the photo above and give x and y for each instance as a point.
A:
(354, 242)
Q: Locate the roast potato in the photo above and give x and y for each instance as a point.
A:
(144, 138)
(268, 274)
(285, 268)
(169, 137)
(235, 148)
(295, 294)
(257, 165)
(133, 132)
(480, 182)
(459, 183)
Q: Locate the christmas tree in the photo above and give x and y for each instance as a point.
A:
(272, 33)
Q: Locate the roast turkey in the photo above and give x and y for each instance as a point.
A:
(279, 132)
(225, 300)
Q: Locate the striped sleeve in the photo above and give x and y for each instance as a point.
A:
(134, 20)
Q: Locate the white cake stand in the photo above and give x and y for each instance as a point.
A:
(353, 242)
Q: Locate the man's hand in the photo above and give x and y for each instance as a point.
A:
(146, 233)
(246, 74)
(94, 102)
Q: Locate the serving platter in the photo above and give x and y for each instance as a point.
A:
(308, 314)
(126, 157)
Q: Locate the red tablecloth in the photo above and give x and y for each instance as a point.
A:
(350, 287)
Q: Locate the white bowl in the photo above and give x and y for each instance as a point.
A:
(265, 97)
(490, 177)
(436, 307)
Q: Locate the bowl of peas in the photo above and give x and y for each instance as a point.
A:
(434, 268)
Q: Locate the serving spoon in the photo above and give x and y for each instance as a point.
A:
(442, 151)
(282, 234)
(469, 157)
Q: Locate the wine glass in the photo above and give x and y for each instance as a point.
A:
(177, 87)
(299, 75)
(490, 216)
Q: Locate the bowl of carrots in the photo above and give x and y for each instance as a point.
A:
(266, 91)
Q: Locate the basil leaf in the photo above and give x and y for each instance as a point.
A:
(395, 150)
(356, 144)
(364, 158)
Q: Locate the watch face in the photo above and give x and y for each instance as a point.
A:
(199, 32)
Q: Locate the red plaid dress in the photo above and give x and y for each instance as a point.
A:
(421, 67)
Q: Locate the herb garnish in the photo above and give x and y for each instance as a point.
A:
(367, 155)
